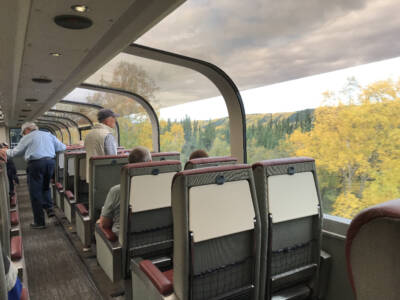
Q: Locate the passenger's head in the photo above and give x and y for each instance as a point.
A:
(198, 154)
(28, 127)
(107, 117)
(4, 145)
(139, 154)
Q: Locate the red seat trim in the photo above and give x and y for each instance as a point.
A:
(170, 275)
(82, 209)
(160, 281)
(152, 164)
(16, 248)
(158, 154)
(13, 201)
(283, 161)
(69, 195)
(59, 186)
(24, 294)
(14, 219)
(108, 233)
(389, 209)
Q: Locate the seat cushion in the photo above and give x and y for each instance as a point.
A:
(14, 219)
(13, 201)
(82, 209)
(69, 195)
(16, 248)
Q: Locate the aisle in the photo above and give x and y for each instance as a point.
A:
(54, 269)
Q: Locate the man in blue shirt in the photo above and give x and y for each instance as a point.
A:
(39, 149)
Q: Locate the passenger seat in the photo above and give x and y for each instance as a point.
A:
(372, 252)
(289, 201)
(216, 239)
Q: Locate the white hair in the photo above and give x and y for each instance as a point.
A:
(29, 125)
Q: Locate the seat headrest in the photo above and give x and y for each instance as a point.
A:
(283, 161)
(390, 209)
(152, 164)
(211, 160)
(108, 157)
(213, 170)
(157, 154)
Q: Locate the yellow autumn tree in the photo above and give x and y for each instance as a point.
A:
(360, 143)
(174, 139)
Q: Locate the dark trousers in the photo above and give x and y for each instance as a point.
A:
(39, 175)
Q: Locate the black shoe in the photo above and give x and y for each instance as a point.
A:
(37, 226)
(50, 212)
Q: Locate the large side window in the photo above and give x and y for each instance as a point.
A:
(15, 136)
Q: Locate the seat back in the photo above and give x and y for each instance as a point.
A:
(104, 173)
(210, 162)
(81, 187)
(289, 201)
(145, 217)
(157, 156)
(69, 170)
(217, 234)
(372, 252)
(5, 224)
(59, 167)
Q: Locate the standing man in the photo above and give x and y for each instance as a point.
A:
(39, 149)
(100, 141)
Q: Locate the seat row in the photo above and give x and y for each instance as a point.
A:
(10, 231)
(216, 230)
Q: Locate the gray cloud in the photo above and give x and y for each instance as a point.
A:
(261, 42)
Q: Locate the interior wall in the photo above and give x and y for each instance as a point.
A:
(4, 137)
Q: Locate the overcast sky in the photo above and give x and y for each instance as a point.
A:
(263, 42)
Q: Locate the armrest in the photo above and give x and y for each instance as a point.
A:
(16, 247)
(69, 195)
(14, 218)
(108, 233)
(82, 209)
(13, 201)
(160, 281)
(59, 186)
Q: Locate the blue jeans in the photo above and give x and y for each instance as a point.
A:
(39, 175)
(15, 293)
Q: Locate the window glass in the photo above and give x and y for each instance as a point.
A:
(15, 136)
(349, 127)
(184, 128)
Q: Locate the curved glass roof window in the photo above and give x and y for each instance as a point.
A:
(259, 42)
(134, 124)
(161, 84)
(185, 123)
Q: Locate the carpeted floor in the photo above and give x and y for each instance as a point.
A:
(54, 268)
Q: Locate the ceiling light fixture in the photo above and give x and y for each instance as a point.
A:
(41, 80)
(73, 22)
(80, 8)
(55, 54)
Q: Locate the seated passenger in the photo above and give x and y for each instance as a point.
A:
(198, 154)
(109, 217)
(11, 171)
(13, 284)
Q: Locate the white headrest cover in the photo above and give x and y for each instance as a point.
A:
(220, 210)
(61, 160)
(82, 168)
(292, 196)
(151, 191)
(71, 170)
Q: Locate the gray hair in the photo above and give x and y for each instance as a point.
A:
(29, 125)
(139, 154)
